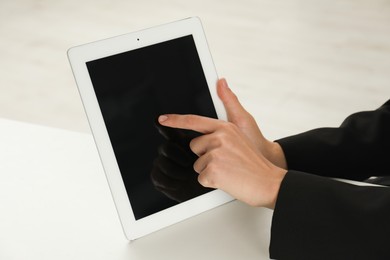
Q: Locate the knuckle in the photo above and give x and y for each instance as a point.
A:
(203, 180)
(211, 175)
(206, 180)
(193, 145)
(214, 156)
(211, 168)
(198, 146)
(197, 166)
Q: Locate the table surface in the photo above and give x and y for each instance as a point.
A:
(55, 204)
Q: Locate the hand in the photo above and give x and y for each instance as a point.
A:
(230, 156)
(237, 115)
(173, 173)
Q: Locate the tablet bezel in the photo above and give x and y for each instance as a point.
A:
(79, 56)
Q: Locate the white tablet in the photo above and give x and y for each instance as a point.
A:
(125, 83)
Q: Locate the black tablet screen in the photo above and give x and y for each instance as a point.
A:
(135, 87)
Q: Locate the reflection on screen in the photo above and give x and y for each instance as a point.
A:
(133, 89)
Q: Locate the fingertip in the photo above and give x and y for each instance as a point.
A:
(224, 84)
(222, 88)
(162, 118)
(225, 93)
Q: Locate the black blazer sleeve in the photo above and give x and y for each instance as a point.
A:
(317, 217)
(356, 150)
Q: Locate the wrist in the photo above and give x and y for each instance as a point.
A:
(274, 153)
(275, 188)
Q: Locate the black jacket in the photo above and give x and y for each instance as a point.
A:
(317, 217)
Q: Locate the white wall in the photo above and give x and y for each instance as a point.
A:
(295, 64)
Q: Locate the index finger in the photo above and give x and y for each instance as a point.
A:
(201, 124)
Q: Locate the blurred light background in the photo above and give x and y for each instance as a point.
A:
(295, 64)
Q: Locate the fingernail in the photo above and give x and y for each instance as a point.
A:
(162, 118)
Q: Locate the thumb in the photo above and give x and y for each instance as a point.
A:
(234, 110)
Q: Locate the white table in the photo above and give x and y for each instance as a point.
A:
(55, 204)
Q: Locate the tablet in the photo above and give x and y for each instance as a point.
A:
(125, 83)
